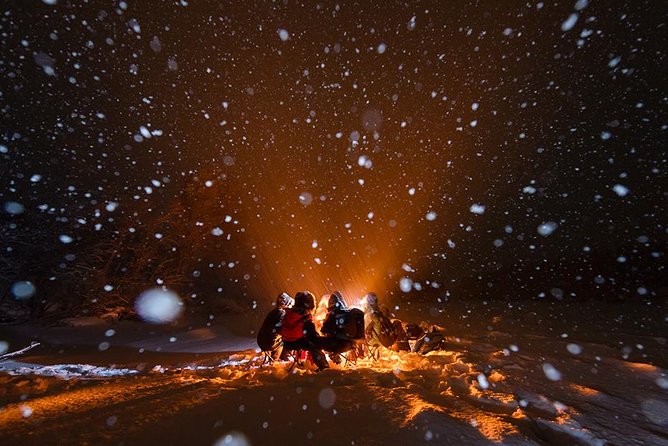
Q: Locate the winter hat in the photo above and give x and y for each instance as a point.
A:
(336, 301)
(305, 299)
(284, 300)
(372, 300)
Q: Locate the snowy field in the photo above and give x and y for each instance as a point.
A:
(208, 386)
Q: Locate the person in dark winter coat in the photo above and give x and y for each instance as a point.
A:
(268, 337)
(336, 339)
(298, 330)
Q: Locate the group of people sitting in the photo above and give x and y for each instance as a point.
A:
(348, 333)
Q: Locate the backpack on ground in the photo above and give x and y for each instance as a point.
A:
(434, 339)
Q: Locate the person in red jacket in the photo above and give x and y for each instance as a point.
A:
(269, 337)
(298, 330)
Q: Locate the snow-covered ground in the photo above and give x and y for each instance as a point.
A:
(485, 387)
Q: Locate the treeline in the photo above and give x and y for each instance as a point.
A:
(82, 267)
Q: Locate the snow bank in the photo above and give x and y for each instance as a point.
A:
(64, 371)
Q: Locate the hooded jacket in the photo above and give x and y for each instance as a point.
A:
(268, 337)
(333, 325)
(269, 334)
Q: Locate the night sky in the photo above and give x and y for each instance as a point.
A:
(425, 150)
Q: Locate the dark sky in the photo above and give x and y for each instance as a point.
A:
(513, 145)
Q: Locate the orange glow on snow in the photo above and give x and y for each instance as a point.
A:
(586, 391)
(641, 367)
